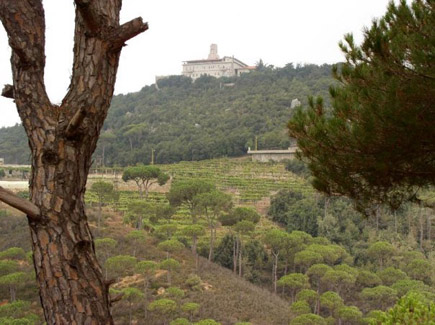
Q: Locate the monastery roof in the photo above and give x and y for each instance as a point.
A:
(203, 61)
(216, 61)
(278, 151)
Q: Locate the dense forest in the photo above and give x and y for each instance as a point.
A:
(208, 118)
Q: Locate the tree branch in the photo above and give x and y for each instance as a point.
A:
(127, 31)
(8, 91)
(21, 204)
(24, 23)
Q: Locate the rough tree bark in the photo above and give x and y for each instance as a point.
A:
(62, 140)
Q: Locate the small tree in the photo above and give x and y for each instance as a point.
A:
(184, 192)
(242, 228)
(164, 308)
(380, 251)
(294, 282)
(104, 247)
(339, 280)
(106, 138)
(311, 297)
(17, 313)
(166, 231)
(239, 214)
(194, 231)
(136, 237)
(300, 308)
(169, 265)
(170, 246)
(367, 279)
(147, 270)
(191, 309)
(316, 273)
(8, 266)
(349, 314)
(137, 210)
(120, 265)
(331, 301)
(380, 297)
(420, 269)
(274, 239)
(391, 275)
(174, 293)
(144, 177)
(212, 205)
(16, 253)
(104, 191)
(132, 295)
(304, 259)
(402, 287)
(180, 321)
(13, 281)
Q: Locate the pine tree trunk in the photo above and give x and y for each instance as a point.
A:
(13, 293)
(420, 219)
(236, 256)
(103, 158)
(100, 214)
(275, 272)
(194, 240)
(212, 238)
(65, 262)
(62, 140)
(240, 257)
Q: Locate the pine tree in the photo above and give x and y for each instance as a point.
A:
(377, 142)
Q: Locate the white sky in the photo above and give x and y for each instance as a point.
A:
(277, 31)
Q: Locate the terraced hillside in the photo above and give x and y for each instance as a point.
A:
(249, 182)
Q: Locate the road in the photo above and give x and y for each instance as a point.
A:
(15, 185)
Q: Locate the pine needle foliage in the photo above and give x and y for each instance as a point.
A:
(377, 142)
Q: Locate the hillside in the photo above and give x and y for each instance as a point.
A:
(188, 121)
(328, 262)
(221, 294)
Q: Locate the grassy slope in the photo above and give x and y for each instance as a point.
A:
(225, 297)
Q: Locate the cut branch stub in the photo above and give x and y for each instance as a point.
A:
(8, 91)
(21, 204)
(74, 124)
(127, 31)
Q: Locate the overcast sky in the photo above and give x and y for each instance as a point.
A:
(277, 31)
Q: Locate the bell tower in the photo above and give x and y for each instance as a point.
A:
(213, 52)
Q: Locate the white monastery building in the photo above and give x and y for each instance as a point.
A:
(214, 66)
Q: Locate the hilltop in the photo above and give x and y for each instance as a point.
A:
(208, 118)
